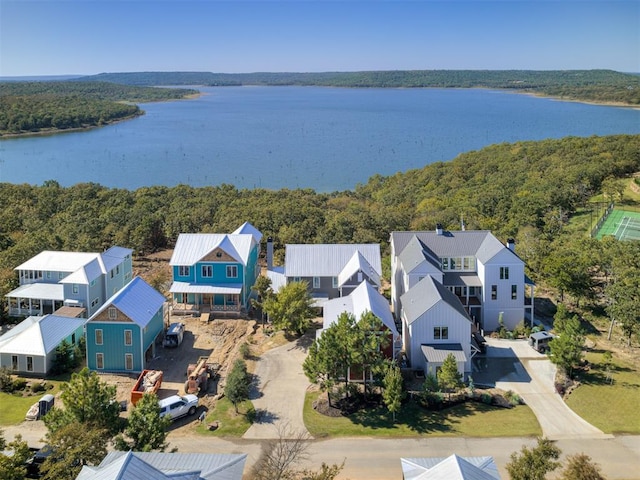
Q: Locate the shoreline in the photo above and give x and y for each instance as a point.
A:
(48, 132)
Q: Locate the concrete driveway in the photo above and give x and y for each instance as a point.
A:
(279, 391)
(514, 365)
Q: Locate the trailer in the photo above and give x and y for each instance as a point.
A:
(198, 376)
(149, 381)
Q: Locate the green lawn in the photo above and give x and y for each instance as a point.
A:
(231, 424)
(613, 408)
(13, 408)
(470, 420)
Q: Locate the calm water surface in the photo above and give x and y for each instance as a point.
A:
(288, 137)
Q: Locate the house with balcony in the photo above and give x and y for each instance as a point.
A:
(332, 270)
(121, 336)
(214, 272)
(485, 275)
(52, 280)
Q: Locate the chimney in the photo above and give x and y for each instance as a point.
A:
(269, 253)
(439, 230)
(511, 244)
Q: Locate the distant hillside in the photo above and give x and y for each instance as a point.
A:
(585, 85)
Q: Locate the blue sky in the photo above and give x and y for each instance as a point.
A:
(58, 37)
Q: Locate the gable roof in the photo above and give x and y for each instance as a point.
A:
(364, 298)
(176, 466)
(479, 243)
(358, 263)
(192, 247)
(56, 261)
(424, 295)
(86, 273)
(415, 253)
(247, 228)
(39, 335)
(327, 260)
(450, 468)
(137, 300)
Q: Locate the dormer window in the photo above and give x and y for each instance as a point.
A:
(183, 271)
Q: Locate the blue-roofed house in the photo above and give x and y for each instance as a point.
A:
(170, 466)
(53, 279)
(214, 272)
(29, 348)
(121, 335)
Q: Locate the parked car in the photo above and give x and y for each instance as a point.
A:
(178, 406)
(540, 341)
(174, 335)
(34, 463)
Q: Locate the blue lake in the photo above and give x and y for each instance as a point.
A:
(327, 139)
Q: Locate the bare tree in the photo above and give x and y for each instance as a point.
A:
(280, 455)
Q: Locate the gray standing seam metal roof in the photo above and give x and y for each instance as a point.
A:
(438, 352)
(425, 294)
(327, 260)
(414, 253)
(479, 243)
(137, 299)
(39, 335)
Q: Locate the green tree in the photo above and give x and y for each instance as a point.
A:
(624, 290)
(74, 444)
(580, 467)
(566, 348)
(237, 387)
(392, 393)
(449, 377)
(262, 290)
(146, 430)
(12, 466)
(291, 308)
(87, 400)
(534, 463)
(370, 340)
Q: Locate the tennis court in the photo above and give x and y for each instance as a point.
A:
(623, 224)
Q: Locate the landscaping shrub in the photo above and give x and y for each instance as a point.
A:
(486, 398)
(512, 397)
(19, 384)
(38, 387)
(6, 381)
(244, 350)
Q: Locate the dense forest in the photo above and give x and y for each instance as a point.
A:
(525, 190)
(30, 107)
(585, 85)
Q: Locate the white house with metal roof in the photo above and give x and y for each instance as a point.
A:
(160, 466)
(365, 298)
(121, 335)
(332, 270)
(486, 276)
(214, 272)
(449, 468)
(29, 348)
(54, 279)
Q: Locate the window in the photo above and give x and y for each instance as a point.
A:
(128, 338)
(74, 289)
(98, 336)
(48, 275)
(316, 282)
(440, 333)
(73, 338)
(93, 283)
(29, 364)
(514, 292)
(232, 271)
(117, 269)
(504, 273)
(183, 271)
(113, 313)
(296, 279)
(494, 292)
(128, 361)
(207, 271)
(99, 361)
(60, 275)
(95, 302)
(445, 264)
(111, 273)
(334, 282)
(14, 362)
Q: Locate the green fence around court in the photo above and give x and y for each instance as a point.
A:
(623, 224)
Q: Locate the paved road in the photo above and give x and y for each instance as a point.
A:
(531, 375)
(278, 395)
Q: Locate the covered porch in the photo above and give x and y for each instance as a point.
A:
(35, 299)
(189, 299)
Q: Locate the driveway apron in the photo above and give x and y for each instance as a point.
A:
(279, 391)
(532, 378)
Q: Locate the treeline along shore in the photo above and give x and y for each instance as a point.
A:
(27, 108)
(530, 191)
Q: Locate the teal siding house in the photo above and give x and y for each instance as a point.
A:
(214, 273)
(121, 335)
